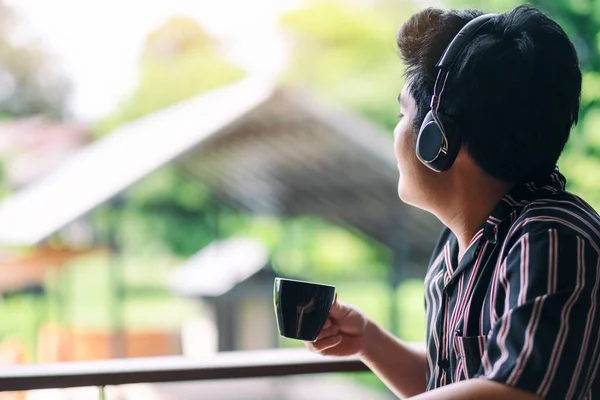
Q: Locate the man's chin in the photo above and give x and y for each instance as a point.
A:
(408, 197)
(404, 195)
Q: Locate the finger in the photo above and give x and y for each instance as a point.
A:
(335, 309)
(322, 345)
(338, 310)
(327, 324)
(325, 333)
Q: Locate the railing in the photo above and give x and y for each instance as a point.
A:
(247, 364)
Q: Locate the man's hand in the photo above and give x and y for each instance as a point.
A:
(349, 332)
(343, 333)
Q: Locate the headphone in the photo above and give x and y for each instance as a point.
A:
(439, 140)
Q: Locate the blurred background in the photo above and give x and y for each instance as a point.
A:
(162, 161)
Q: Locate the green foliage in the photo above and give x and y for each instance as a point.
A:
(579, 162)
(20, 316)
(484, 5)
(30, 82)
(411, 310)
(179, 61)
(583, 172)
(268, 229)
(313, 249)
(348, 53)
(170, 208)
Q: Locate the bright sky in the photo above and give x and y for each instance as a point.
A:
(99, 42)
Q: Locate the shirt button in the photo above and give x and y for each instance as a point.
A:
(444, 364)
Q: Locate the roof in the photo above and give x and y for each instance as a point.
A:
(108, 166)
(31, 270)
(220, 266)
(262, 148)
(296, 155)
(30, 147)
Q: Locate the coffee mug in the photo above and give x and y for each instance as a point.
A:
(301, 308)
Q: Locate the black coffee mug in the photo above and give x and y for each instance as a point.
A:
(301, 307)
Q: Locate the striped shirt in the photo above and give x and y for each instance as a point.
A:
(521, 307)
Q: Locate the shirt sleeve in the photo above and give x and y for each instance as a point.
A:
(545, 333)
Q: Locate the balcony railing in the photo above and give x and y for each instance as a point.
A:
(246, 364)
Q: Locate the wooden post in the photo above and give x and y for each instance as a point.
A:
(117, 292)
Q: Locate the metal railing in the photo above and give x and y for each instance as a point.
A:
(231, 365)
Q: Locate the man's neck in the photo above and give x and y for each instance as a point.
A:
(472, 202)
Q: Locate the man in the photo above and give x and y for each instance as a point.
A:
(512, 289)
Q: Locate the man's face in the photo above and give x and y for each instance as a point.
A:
(417, 183)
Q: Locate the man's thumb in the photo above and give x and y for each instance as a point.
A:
(337, 309)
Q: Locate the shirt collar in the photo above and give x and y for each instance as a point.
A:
(508, 209)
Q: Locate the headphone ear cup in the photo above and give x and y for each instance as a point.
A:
(430, 147)
(453, 139)
(429, 140)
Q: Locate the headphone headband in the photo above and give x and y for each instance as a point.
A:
(439, 139)
(461, 38)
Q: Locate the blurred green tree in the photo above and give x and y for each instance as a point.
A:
(347, 52)
(179, 60)
(30, 81)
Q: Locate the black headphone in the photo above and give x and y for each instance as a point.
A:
(439, 140)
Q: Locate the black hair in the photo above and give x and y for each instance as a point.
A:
(513, 90)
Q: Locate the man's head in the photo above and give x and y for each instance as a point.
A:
(513, 90)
